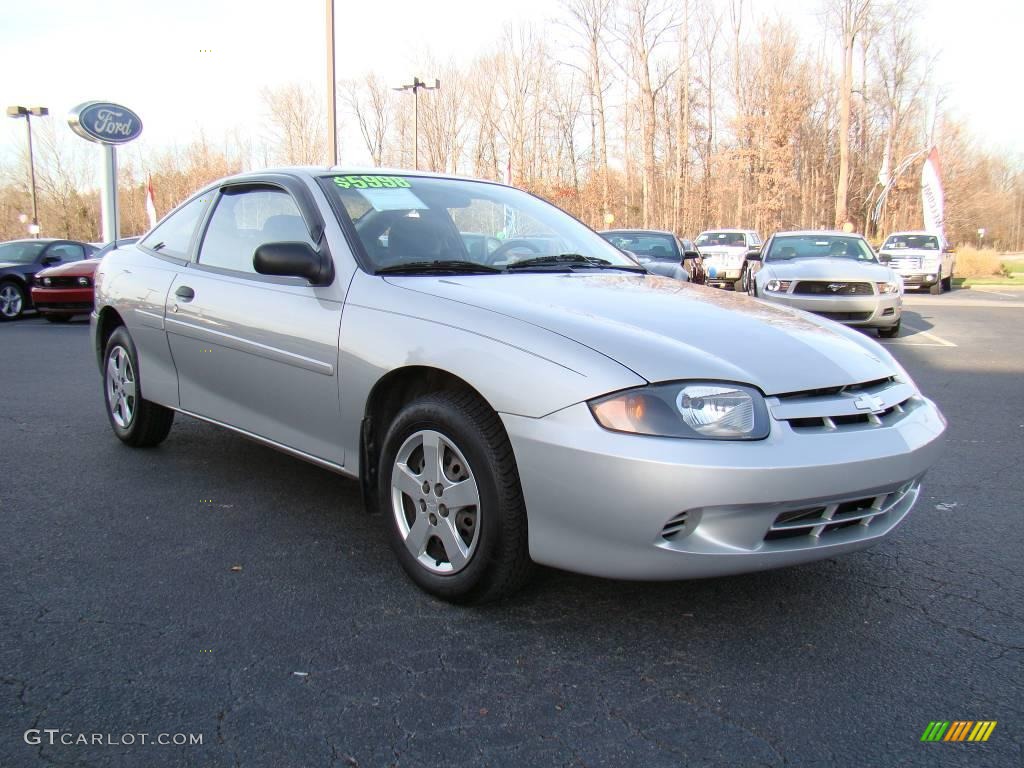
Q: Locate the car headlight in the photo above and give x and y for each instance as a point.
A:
(47, 281)
(778, 286)
(705, 410)
(83, 281)
(892, 286)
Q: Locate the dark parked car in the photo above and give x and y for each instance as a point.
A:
(61, 292)
(19, 262)
(662, 253)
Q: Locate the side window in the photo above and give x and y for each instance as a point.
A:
(174, 234)
(66, 252)
(245, 219)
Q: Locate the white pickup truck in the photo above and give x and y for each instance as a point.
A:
(724, 252)
(922, 259)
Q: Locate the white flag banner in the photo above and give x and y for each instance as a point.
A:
(932, 202)
(150, 203)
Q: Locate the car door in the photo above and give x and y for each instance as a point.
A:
(256, 352)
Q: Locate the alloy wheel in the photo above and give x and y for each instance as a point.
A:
(11, 301)
(121, 397)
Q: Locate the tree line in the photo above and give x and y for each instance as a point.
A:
(669, 114)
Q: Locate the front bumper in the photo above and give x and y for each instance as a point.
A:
(638, 507)
(920, 279)
(63, 300)
(877, 310)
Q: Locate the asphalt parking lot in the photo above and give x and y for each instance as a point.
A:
(213, 586)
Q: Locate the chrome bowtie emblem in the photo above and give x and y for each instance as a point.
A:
(834, 287)
(868, 403)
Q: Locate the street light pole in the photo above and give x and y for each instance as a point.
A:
(415, 87)
(27, 112)
(332, 100)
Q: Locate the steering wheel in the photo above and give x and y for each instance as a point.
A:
(508, 245)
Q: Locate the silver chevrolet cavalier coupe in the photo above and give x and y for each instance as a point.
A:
(833, 274)
(507, 387)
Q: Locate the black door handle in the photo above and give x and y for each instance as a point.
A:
(185, 293)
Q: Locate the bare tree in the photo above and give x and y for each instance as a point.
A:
(297, 124)
(370, 101)
(850, 18)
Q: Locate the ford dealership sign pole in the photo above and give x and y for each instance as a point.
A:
(109, 125)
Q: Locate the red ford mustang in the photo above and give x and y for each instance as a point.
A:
(59, 293)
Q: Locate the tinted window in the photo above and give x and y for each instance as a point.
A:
(922, 242)
(66, 252)
(173, 236)
(646, 245)
(786, 247)
(245, 219)
(725, 239)
(20, 252)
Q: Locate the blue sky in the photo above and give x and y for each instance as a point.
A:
(192, 63)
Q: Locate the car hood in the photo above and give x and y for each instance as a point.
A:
(85, 268)
(710, 251)
(14, 266)
(819, 268)
(663, 329)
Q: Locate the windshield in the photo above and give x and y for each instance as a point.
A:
(421, 221)
(787, 247)
(919, 242)
(722, 239)
(20, 253)
(646, 245)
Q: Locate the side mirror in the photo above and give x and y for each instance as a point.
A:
(293, 259)
(949, 249)
(48, 260)
(690, 255)
(754, 255)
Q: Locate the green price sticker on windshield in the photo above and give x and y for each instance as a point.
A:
(371, 182)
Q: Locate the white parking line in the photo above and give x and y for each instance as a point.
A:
(936, 341)
(996, 293)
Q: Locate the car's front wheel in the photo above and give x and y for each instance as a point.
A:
(12, 300)
(891, 332)
(135, 420)
(451, 492)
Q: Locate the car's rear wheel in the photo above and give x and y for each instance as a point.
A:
(57, 318)
(135, 420)
(450, 490)
(12, 300)
(890, 333)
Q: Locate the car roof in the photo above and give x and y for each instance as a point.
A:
(729, 231)
(35, 240)
(636, 232)
(315, 171)
(820, 233)
(912, 232)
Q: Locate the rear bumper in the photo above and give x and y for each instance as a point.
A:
(626, 506)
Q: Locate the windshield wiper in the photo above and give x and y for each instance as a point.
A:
(569, 261)
(439, 265)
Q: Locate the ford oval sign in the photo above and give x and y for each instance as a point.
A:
(105, 123)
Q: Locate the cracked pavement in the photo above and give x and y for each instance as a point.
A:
(122, 614)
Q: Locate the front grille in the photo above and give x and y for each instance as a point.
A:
(832, 288)
(820, 520)
(61, 282)
(845, 317)
(867, 405)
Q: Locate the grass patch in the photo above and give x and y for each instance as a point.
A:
(967, 282)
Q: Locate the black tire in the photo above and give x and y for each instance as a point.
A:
(935, 288)
(145, 424)
(947, 282)
(499, 563)
(56, 318)
(13, 301)
(890, 333)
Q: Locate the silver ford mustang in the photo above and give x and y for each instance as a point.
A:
(833, 274)
(508, 387)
